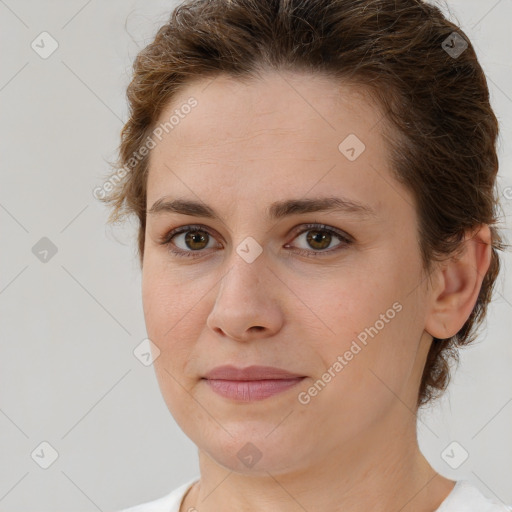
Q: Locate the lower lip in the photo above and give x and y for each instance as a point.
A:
(247, 391)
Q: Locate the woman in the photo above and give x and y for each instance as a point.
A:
(314, 183)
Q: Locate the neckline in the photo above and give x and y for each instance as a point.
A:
(450, 496)
(187, 491)
(446, 501)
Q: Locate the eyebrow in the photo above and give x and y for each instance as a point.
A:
(275, 211)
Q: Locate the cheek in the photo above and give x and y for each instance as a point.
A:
(169, 312)
(171, 325)
(167, 296)
(347, 303)
(370, 319)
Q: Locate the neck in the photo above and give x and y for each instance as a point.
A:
(382, 470)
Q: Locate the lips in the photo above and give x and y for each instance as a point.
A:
(251, 373)
(250, 390)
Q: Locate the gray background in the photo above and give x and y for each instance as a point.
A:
(68, 328)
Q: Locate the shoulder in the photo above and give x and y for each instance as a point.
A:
(169, 503)
(465, 497)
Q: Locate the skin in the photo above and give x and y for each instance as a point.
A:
(353, 446)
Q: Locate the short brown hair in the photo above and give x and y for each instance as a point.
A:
(444, 131)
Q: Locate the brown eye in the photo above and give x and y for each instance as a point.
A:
(196, 240)
(318, 239)
(188, 241)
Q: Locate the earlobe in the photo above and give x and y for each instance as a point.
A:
(459, 283)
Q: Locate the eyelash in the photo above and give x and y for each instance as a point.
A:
(345, 240)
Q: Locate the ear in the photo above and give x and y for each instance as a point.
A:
(458, 284)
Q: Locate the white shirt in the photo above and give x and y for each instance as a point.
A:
(464, 497)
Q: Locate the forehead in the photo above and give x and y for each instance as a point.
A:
(255, 138)
(280, 103)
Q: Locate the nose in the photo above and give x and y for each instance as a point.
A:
(246, 305)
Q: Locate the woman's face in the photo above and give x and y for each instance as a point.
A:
(337, 296)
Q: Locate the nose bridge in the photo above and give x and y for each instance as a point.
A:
(246, 267)
(242, 299)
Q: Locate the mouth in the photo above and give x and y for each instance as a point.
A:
(250, 390)
(251, 373)
(251, 383)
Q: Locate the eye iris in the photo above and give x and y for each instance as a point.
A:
(317, 238)
(192, 237)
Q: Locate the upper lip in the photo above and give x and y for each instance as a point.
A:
(229, 372)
